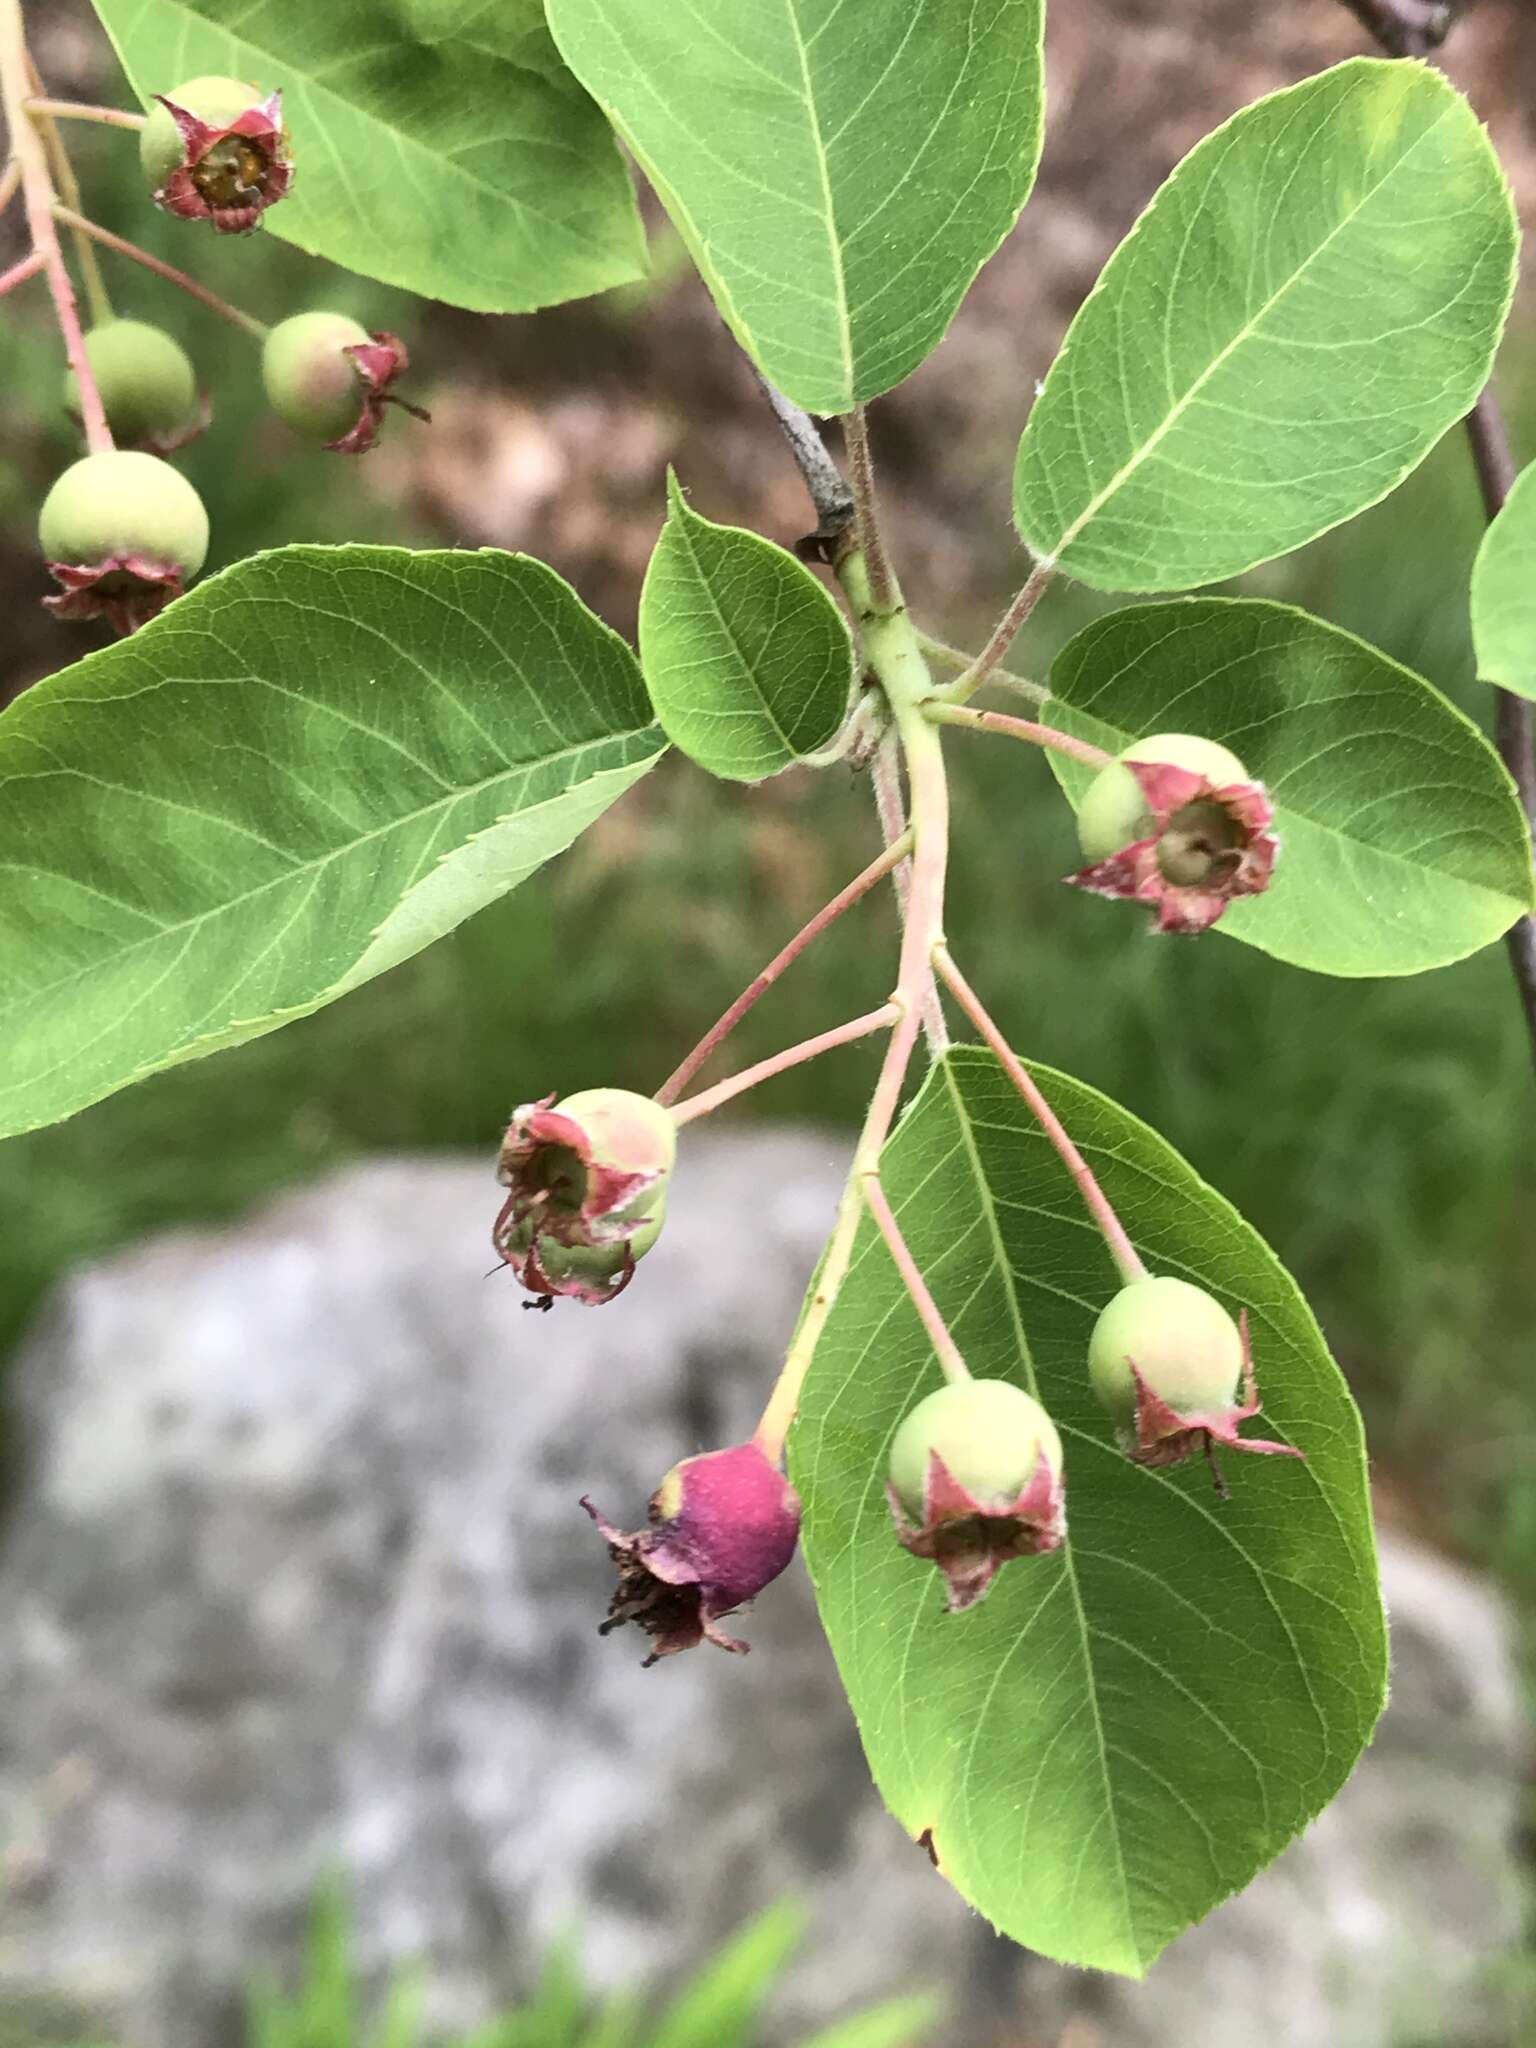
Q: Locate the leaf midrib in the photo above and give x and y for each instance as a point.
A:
(1245, 334)
(296, 876)
(1069, 1567)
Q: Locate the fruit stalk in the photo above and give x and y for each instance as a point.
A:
(726, 1023)
(781, 1062)
(1121, 1250)
(943, 713)
(38, 194)
(67, 217)
(1007, 627)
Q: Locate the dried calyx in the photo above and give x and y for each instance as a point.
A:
(1175, 1374)
(976, 1479)
(216, 149)
(123, 534)
(1177, 823)
(587, 1185)
(721, 1526)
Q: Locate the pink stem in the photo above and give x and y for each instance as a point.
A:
(18, 273)
(70, 219)
(1019, 729)
(37, 189)
(781, 1062)
(1007, 626)
(78, 110)
(951, 1364)
(718, 1032)
(1122, 1251)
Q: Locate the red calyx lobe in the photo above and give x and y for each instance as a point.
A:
(1165, 1437)
(559, 1193)
(125, 590)
(378, 362)
(722, 1526)
(228, 175)
(1208, 846)
(969, 1541)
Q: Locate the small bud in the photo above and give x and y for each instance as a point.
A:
(1169, 1363)
(722, 1526)
(215, 149)
(588, 1186)
(329, 379)
(122, 534)
(975, 1479)
(1177, 823)
(147, 384)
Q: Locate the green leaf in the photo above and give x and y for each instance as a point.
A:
(839, 173)
(446, 149)
(1307, 305)
(1504, 594)
(1403, 846)
(1123, 1732)
(301, 773)
(747, 657)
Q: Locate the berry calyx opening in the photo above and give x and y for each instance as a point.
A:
(216, 149)
(329, 378)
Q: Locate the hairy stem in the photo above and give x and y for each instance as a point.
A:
(884, 595)
(1121, 1250)
(891, 650)
(945, 713)
(946, 1350)
(31, 154)
(957, 658)
(781, 1062)
(79, 110)
(1007, 627)
(68, 217)
(753, 994)
(891, 808)
(19, 272)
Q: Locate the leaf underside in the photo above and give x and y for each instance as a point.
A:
(303, 772)
(441, 146)
(1121, 1734)
(1504, 594)
(1403, 846)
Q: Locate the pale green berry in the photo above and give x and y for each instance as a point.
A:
(1180, 1339)
(311, 383)
(124, 504)
(147, 383)
(1114, 813)
(990, 1435)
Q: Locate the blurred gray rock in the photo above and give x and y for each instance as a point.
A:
(293, 1577)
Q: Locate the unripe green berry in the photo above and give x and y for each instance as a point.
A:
(990, 1435)
(600, 1265)
(124, 504)
(311, 383)
(1180, 1339)
(1114, 813)
(625, 1130)
(146, 381)
(217, 100)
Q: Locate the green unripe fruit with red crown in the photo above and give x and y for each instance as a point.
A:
(1187, 1349)
(1115, 812)
(147, 384)
(310, 384)
(216, 100)
(990, 1435)
(124, 504)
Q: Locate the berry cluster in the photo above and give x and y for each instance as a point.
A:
(121, 530)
